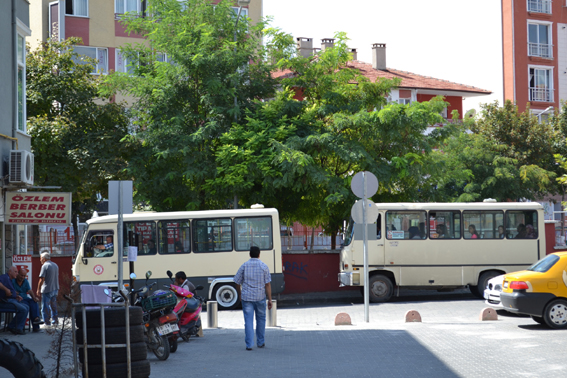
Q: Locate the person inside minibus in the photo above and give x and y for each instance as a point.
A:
(108, 246)
(501, 233)
(530, 232)
(472, 231)
(521, 231)
(441, 231)
(414, 233)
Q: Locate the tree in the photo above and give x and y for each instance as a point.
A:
(508, 155)
(299, 156)
(76, 136)
(183, 107)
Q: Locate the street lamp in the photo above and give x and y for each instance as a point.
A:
(241, 3)
(549, 109)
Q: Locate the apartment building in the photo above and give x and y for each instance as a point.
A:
(413, 87)
(15, 144)
(534, 44)
(97, 22)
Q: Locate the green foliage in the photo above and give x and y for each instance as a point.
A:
(299, 156)
(76, 136)
(183, 108)
(508, 156)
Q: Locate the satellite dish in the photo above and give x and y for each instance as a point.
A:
(470, 114)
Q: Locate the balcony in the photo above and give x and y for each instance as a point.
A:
(542, 50)
(541, 94)
(539, 6)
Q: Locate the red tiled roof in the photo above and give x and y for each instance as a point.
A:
(409, 80)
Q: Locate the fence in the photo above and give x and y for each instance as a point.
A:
(301, 238)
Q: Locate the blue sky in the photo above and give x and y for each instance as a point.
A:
(455, 40)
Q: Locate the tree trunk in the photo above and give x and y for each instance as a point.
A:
(333, 240)
(312, 238)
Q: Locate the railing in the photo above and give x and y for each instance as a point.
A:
(539, 6)
(540, 49)
(541, 94)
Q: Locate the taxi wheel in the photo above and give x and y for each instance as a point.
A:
(555, 314)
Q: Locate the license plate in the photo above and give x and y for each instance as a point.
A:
(175, 327)
(165, 329)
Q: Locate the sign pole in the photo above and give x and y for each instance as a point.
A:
(365, 252)
(119, 238)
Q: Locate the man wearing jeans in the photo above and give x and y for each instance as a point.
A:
(11, 300)
(47, 289)
(254, 279)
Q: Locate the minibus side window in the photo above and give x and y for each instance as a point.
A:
(174, 237)
(483, 224)
(408, 225)
(253, 231)
(521, 224)
(212, 235)
(99, 243)
(445, 224)
(141, 235)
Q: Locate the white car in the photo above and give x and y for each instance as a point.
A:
(492, 292)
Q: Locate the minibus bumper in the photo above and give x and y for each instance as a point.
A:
(349, 279)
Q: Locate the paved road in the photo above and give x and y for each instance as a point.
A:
(451, 341)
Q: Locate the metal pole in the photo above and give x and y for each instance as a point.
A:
(119, 238)
(365, 251)
(212, 314)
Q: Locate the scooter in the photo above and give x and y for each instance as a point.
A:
(159, 319)
(188, 309)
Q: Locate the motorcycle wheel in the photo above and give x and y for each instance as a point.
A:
(184, 335)
(173, 345)
(160, 344)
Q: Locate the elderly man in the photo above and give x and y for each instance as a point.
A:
(10, 300)
(23, 289)
(47, 289)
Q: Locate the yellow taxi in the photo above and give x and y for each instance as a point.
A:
(539, 291)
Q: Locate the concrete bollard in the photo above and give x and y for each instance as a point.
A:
(212, 314)
(488, 313)
(273, 315)
(342, 319)
(412, 316)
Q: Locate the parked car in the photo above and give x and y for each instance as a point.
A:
(539, 291)
(492, 292)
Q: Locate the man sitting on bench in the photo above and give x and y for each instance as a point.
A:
(10, 300)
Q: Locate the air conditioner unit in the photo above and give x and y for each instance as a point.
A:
(21, 167)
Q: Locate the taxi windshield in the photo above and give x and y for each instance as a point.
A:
(544, 264)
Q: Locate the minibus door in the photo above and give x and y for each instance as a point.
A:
(99, 258)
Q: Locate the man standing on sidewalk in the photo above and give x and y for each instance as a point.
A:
(23, 289)
(254, 282)
(47, 289)
(11, 300)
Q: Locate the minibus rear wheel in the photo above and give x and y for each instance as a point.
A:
(381, 288)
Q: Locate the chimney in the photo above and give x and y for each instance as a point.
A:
(327, 43)
(305, 46)
(379, 56)
(354, 55)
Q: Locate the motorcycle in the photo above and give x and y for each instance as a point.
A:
(159, 319)
(188, 309)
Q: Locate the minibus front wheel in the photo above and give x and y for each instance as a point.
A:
(380, 288)
(226, 296)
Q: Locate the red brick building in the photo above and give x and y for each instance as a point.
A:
(413, 87)
(534, 43)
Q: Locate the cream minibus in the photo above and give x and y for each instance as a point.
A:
(442, 246)
(209, 246)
